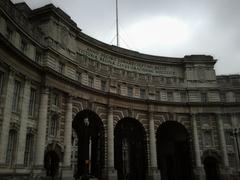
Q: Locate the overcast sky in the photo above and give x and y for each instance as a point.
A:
(162, 27)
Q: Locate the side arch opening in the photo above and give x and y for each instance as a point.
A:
(130, 150)
(173, 151)
(90, 134)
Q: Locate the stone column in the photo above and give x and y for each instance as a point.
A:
(222, 140)
(199, 172)
(196, 141)
(42, 128)
(23, 126)
(7, 112)
(154, 172)
(112, 174)
(67, 170)
(68, 134)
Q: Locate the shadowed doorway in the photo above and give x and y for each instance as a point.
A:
(90, 133)
(211, 168)
(173, 151)
(51, 163)
(130, 150)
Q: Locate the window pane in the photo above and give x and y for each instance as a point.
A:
(170, 96)
(90, 81)
(32, 102)
(204, 97)
(28, 150)
(103, 85)
(130, 91)
(16, 96)
(11, 149)
(142, 93)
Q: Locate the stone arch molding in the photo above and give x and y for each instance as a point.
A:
(56, 147)
(173, 118)
(211, 153)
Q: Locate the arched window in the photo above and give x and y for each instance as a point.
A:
(54, 125)
(11, 148)
(28, 155)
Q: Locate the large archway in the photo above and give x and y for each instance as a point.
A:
(90, 133)
(130, 150)
(173, 151)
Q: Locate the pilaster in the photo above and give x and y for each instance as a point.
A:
(42, 128)
(154, 173)
(6, 117)
(199, 173)
(222, 140)
(67, 170)
(23, 125)
(111, 172)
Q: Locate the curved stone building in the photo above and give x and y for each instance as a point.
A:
(70, 105)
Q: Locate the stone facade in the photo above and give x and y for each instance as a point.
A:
(50, 72)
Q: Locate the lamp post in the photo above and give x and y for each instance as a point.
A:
(88, 161)
(235, 133)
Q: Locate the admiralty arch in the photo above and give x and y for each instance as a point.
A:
(71, 105)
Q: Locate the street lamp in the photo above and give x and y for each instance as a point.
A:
(235, 133)
(88, 162)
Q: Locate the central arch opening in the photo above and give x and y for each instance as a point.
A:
(173, 151)
(90, 134)
(130, 150)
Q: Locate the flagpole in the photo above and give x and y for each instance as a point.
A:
(117, 23)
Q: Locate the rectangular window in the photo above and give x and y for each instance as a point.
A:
(55, 99)
(78, 76)
(157, 95)
(237, 96)
(32, 102)
(1, 82)
(208, 141)
(169, 80)
(23, 45)
(103, 85)
(170, 96)
(119, 89)
(130, 91)
(16, 96)
(183, 96)
(28, 155)
(223, 97)
(11, 148)
(142, 93)
(232, 159)
(61, 67)
(229, 138)
(204, 97)
(9, 33)
(38, 57)
(90, 81)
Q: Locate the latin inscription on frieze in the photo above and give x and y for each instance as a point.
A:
(128, 65)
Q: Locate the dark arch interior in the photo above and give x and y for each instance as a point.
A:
(130, 151)
(94, 131)
(51, 163)
(173, 151)
(211, 168)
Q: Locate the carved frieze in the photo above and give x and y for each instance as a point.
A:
(128, 65)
